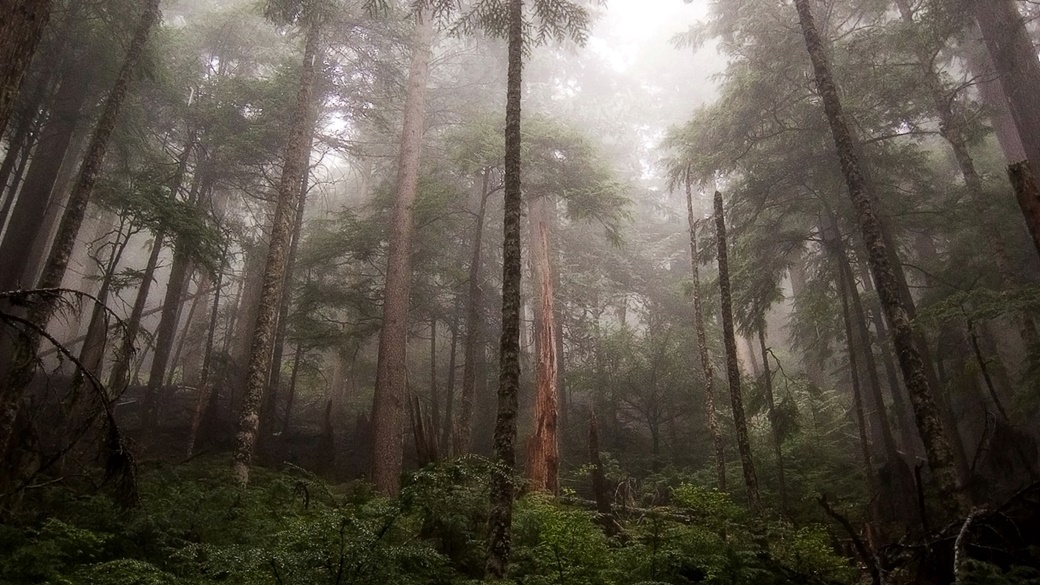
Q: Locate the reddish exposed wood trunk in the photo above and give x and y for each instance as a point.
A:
(22, 366)
(732, 367)
(937, 445)
(702, 348)
(543, 459)
(391, 368)
(21, 28)
(297, 153)
(501, 494)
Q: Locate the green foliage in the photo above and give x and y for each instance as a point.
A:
(558, 546)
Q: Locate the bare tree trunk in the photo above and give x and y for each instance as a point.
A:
(22, 365)
(391, 368)
(732, 367)
(774, 423)
(501, 514)
(27, 215)
(297, 153)
(435, 397)
(21, 28)
(1028, 194)
(543, 460)
(702, 347)
(929, 423)
(472, 341)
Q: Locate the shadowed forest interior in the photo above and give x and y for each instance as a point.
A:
(577, 292)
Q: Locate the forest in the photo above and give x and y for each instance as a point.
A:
(544, 292)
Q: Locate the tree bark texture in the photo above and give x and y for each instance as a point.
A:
(297, 153)
(747, 464)
(702, 348)
(21, 27)
(501, 514)
(543, 460)
(22, 365)
(391, 367)
(929, 423)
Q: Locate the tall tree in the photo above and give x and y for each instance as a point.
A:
(297, 154)
(391, 368)
(702, 345)
(501, 518)
(747, 464)
(929, 423)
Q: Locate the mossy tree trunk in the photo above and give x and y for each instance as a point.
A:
(297, 153)
(501, 516)
(747, 463)
(929, 422)
(702, 347)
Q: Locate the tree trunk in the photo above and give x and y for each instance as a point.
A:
(774, 424)
(929, 423)
(435, 397)
(1015, 61)
(291, 398)
(269, 413)
(600, 490)
(501, 513)
(732, 367)
(176, 289)
(205, 389)
(857, 392)
(702, 348)
(21, 28)
(391, 367)
(473, 338)
(22, 365)
(449, 395)
(543, 460)
(19, 146)
(27, 216)
(297, 153)
(92, 353)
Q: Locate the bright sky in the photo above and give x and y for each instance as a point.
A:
(631, 25)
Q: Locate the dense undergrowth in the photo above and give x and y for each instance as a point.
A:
(194, 527)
